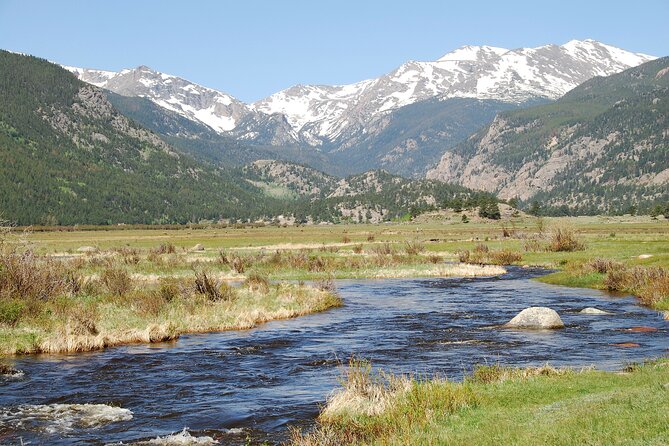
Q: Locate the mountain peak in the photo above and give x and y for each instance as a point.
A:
(471, 53)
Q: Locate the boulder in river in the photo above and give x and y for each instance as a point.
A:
(536, 318)
(592, 310)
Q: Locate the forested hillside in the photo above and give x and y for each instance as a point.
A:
(603, 147)
(67, 157)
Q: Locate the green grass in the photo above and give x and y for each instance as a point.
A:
(570, 279)
(516, 407)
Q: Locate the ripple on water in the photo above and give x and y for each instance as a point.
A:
(184, 438)
(61, 418)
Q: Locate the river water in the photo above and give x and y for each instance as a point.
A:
(241, 385)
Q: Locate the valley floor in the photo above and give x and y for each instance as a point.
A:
(81, 290)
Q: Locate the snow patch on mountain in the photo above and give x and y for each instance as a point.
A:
(213, 108)
(318, 115)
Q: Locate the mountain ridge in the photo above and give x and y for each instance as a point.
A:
(309, 105)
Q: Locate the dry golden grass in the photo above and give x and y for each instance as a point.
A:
(63, 327)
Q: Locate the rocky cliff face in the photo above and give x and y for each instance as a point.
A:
(603, 145)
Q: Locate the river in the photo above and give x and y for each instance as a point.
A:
(253, 384)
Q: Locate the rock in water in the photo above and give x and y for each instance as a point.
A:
(591, 310)
(536, 318)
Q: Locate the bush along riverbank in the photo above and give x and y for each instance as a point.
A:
(497, 405)
(49, 306)
(650, 283)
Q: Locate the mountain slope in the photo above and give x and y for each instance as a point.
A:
(372, 196)
(68, 157)
(351, 128)
(603, 146)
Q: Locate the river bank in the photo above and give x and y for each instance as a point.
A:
(498, 405)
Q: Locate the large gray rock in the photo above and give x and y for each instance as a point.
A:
(536, 318)
(592, 310)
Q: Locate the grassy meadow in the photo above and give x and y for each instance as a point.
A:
(72, 290)
(498, 406)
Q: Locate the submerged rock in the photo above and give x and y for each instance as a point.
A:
(536, 318)
(642, 329)
(6, 370)
(626, 345)
(592, 310)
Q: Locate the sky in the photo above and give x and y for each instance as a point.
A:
(252, 48)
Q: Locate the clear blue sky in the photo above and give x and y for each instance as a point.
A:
(252, 48)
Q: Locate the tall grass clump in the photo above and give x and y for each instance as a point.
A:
(257, 283)
(483, 255)
(414, 247)
(23, 275)
(206, 286)
(649, 284)
(562, 238)
(116, 280)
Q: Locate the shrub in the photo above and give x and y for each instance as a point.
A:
(257, 282)
(532, 245)
(25, 276)
(11, 311)
(650, 284)
(413, 248)
(483, 255)
(169, 288)
(504, 257)
(603, 266)
(481, 248)
(383, 249)
(563, 239)
(464, 256)
(205, 286)
(316, 264)
(357, 248)
(434, 258)
(240, 264)
(346, 239)
(227, 292)
(222, 258)
(165, 248)
(116, 280)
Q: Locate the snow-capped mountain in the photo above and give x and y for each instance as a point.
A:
(362, 123)
(320, 113)
(217, 110)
